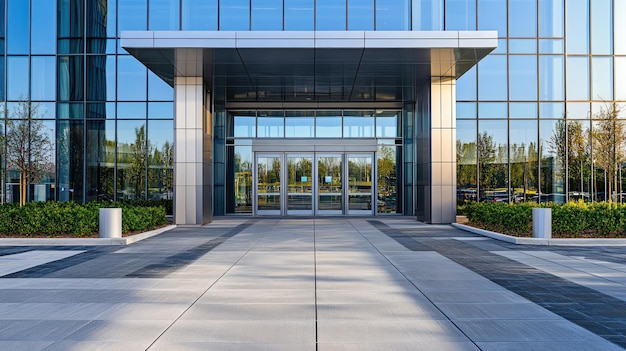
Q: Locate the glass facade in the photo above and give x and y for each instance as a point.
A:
(530, 116)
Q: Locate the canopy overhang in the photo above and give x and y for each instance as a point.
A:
(308, 65)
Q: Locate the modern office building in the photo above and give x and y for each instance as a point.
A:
(311, 107)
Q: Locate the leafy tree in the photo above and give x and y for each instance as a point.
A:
(609, 136)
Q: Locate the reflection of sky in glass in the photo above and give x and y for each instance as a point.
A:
(492, 16)
(234, 15)
(328, 127)
(360, 14)
(299, 15)
(299, 127)
(267, 15)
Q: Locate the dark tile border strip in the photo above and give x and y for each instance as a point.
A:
(45, 269)
(599, 313)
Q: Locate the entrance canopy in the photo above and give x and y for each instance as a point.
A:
(347, 66)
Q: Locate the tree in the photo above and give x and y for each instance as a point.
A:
(29, 149)
(486, 150)
(140, 150)
(609, 135)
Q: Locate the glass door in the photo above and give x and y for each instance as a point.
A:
(329, 184)
(360, 184)
(268, 184)
(299, 184)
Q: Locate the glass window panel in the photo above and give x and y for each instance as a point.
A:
(160, 110)
(579, 160)
(234, 15)
(620, 84)
(163, 15)
(2, 79)
(360, 14)
(101, 110)
(460, 15)
(111, 17)
(100, 159)
(96, 78)
(245, 127)
(523, 46)
(551, 46)
(523, 151)
(160, 160)
(551, 18)
(492, 78)
(577, 35)
(300, 127)
(70, 26)
(523, 77)
(492, 110)
(299, 15)
(523, 110)
(492, 160)
(387, 171)
(492, 16)
(43, 27)
(465, 110)
(602, 74)
(393, 15)
(358, 125)
(43, 78)
(466, 158)
(466, 85)
(131, 79)
(330, 15)
(18, 78)
(18, 27)
(502, 48)
(578, 110)
(523, 18)
(132, 15)
(132, 157)
(158, 89)
(199, 14)
(240, 182)
(70, 164)
(427, 14)
(387, 125)
(328, 126)
(267, 14)
(70, 83)
(71, 110)
(577, 78)
(619, 26)
(96, 32)
(131, 110)
(602, 25)
(551, 110)
(552, 151)
(551, 82)
(47, 110)
(110, 77)
(271, 125)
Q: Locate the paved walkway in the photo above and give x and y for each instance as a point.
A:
(383, 283)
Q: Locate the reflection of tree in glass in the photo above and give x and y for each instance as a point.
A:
(137, 166)
(609, 136)
(161, 171)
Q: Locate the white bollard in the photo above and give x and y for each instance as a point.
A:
(542, 223)
(110, 222)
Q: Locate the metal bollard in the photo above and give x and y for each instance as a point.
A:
(542, 223)
(110, 222)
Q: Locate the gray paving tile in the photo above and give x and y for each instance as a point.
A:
(365, 331)
(66, 345)
(400, 346)
(119, 331)
(239, 346)
(524, 331)
(552, 346)
(250, 312)
(492, 311)
(38, 330)
(379, 312)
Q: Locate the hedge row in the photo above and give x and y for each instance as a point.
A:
(570, 219)
(70, 218)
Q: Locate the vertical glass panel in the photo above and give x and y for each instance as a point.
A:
(43, 69)
(329, 180)
(578, 161)
(70, 84)
(100, 160)
(393, 15)
(160, 160)
(619, 26)
(503, 45)
(245, 127)
(577, 78)
(131, 79)
(43, 27)
(577, 30)
(74, 110)
(240, 184)
(460, 15)
(158, 89)
(100, 110)
(492, 16)
(70, 23)
(2, 81)
(357, 124)
(523, 77)
(18, 78)
(111, 18)
(268, 185)
(550, 18)
(199, 14)
(299, 183)
(271, 126)
(602, 74)
(493, 160)
(47, 110)
(234, 14)
(328, 126)
(602, 25)
(2, 22)
(466, 110)
(492, 78)
(551, 46)
(132, 154)
(128, 110)
(96, 77)
(466, 170)
(551, 82)
(466, 85)
(360, 14)
(427, 15)
(523, 110)
(111, 85)
(387, 125)
(132, 15)
(387, 182)
(267, 14)
(160, 110)
(18, 27)
(492, 110)
(552, 110)
(299, 126)
(330, 15)
(523, 150)
(164, 15)
(360, 184)
(620, 84)
(70, 159)
(523, 46)
(553, 146)
(523, 18)
(96, 31)
(299, 15)
(578, 110)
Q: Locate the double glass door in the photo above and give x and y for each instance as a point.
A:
(314, 184)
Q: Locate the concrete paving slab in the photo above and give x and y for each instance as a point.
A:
(399, 346)
(250, 312)
(385, 331)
